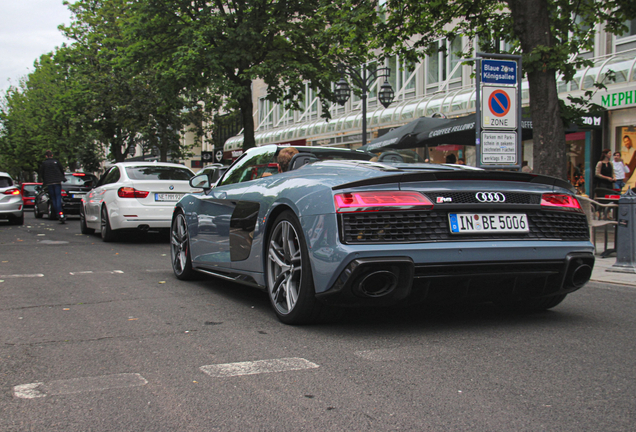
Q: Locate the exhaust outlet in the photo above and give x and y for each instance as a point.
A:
(377, 284)
(581, 275)
(143, 228)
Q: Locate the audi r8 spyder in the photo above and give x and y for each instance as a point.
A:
(344, 228)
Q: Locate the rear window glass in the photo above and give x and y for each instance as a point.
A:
(5, 182)
(158, 173)
(79, 180)
(29, 190)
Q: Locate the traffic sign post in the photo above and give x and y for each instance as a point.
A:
(498, 106)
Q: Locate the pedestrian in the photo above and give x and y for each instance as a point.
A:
(525, 167)
(52, 176)
(451, 159)
(620, 170)
(605, 171)
(461, 161)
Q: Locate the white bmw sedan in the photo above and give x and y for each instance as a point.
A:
(134, 196)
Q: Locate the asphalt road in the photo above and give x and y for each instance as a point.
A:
(107, 339)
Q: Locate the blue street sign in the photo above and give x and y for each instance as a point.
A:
(498, 72)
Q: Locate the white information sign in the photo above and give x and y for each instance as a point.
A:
(499, 107)
(499, 148)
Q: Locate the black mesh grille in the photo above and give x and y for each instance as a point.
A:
(470, 197)
(424, 226)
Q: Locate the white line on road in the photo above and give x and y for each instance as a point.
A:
(22, 276)
(96, 272)
(257, 367)
(78, 385)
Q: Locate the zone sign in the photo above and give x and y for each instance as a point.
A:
(499, 107)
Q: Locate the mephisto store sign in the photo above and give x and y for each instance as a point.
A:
(617, 99)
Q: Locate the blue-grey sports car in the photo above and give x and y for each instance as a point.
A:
(337, 227)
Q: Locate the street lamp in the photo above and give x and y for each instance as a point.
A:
(363, 81)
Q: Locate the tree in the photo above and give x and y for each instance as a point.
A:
(549, 34)
(45, 112)
(223, 45)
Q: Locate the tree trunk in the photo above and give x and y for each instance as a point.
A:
(246, 106)
(532, 24)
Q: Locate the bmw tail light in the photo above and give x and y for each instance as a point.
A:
(63, 193)
(129, 192)
(12, 192)
(380, 200)
(561, 202)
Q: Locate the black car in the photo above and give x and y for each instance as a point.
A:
(75, 187)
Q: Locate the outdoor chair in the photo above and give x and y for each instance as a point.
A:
(598, 216)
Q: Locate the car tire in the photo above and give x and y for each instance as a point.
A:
(36, 212)
(531, 305)
(290, 284)
(84, 229)
(180, 249)
(108, 235)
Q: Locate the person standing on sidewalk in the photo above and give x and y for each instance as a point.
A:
(52, 176)
(620, 170)
(605, 171)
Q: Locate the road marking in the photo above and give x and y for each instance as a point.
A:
(53, 242)
(22, 275)
(78, 385)
(96, 272)
(257, 367)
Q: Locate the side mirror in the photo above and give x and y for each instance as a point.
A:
(200, 182)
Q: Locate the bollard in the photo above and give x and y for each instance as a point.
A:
(625, 240)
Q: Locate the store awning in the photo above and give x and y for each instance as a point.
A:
(405, 136)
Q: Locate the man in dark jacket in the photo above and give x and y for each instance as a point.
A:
(52, 176)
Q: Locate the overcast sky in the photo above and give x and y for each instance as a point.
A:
(28, 29)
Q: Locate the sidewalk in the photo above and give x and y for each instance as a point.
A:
(600, 273)
(601, 265)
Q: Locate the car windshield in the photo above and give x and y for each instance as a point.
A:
(158, 173)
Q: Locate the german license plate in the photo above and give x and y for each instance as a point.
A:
(78, 195)
(468, 223)
(168, 196)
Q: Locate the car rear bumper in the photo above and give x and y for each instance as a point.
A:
(141, 217)
(11, 207)
(384, 281)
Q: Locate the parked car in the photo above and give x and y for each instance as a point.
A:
(29, 191)
(338, 229)
(11, 205)
(75, 186)
(134, 196)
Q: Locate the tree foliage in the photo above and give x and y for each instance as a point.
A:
(548, 33)
(223, 45)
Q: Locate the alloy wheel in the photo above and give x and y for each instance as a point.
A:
(284, 261)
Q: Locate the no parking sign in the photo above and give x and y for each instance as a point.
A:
(499, 107)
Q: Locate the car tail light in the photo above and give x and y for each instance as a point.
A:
(78, 174)
(63, 193)
(380, 200)
(12, 192)
(128, 192)
(561, 202)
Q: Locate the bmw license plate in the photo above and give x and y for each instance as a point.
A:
(78, 195)
(469, 223)
(168, 196)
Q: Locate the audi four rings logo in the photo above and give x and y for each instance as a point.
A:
(492, 197)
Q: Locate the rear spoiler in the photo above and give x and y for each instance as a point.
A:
(409, 177)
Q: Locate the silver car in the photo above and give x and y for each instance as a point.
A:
(11, 205)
